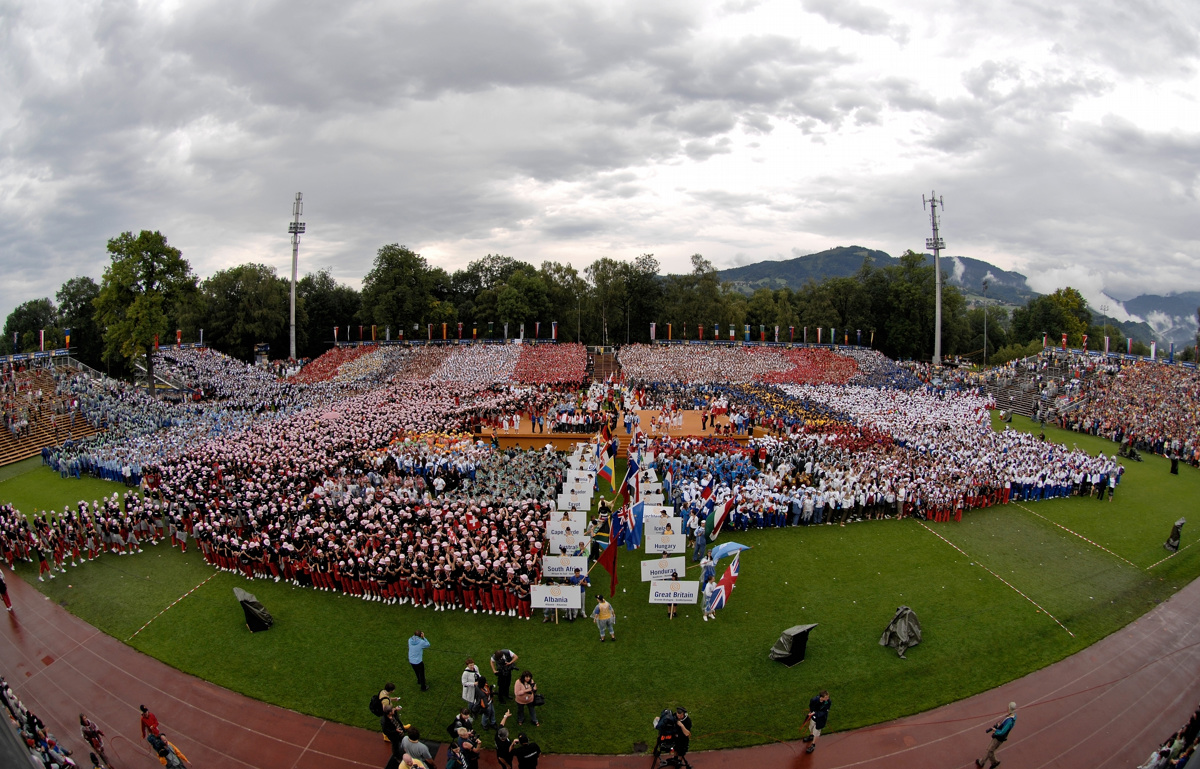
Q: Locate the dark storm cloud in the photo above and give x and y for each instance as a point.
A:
(546, 124)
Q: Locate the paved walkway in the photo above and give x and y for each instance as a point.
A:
(1104, 707)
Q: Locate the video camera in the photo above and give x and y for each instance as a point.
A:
(669, 733)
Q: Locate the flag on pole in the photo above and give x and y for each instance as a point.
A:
(630, 483)
(633, 538)
(608, 559)
(607, 467)
(717, 515)
(726, 548)
(725, 586)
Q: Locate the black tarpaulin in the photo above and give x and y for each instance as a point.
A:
(257, 617)
(792, 645)
(903, 632)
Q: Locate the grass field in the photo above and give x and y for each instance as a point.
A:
(327, 653)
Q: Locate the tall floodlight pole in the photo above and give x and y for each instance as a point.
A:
(936, 244)
(296, 228)
(985, 288)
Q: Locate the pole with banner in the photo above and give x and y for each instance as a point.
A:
(858, 334)
(554, 330)
(1064, 341)
(651, 331)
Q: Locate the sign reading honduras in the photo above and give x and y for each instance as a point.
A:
(563, 566)
(556, 597)
(655, 526)
(666, 543)
(662, 568)
(668, 591)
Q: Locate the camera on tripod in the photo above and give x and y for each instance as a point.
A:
(674, 729)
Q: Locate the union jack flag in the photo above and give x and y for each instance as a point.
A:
(725, 585)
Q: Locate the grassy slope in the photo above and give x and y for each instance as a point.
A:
(327, 653)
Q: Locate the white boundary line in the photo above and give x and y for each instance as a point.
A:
(1085, 539)
(164, 611)
(997, 576)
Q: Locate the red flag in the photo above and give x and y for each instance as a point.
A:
(608, 559)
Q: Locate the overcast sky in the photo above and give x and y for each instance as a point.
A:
(1063, 136)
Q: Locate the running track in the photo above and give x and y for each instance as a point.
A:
(1104, 707)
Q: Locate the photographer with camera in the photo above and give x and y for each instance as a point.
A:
(504, 661)
(674, 737)
(1000, 733)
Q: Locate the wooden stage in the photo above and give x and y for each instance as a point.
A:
(525, 438)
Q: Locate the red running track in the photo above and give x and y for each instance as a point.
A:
(1105, 707)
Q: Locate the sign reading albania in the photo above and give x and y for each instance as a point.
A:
(556, 597)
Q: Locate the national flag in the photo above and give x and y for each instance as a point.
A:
(607, 468)
(726, 548)
(717, 515)
(629, 486)
(605, 433)
(608, 559)
(725, 586)
(706, 489)
(633, 539)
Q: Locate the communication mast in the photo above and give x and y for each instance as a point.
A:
(936, 244)
(296, 228)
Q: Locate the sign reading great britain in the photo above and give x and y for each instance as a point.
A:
(662, 568)
(556, 597)
(668, 591)
(563, 566)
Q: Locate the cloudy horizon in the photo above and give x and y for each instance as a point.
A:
(1063, 139)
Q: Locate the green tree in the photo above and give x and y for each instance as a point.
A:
(566, 292)
(1063, 312)
(606, 278)
(28, 320)
(327, 304)
(143, 290)
(248, 304)
(77, 311)
(399, 291)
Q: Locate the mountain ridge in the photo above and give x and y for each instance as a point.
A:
(1170, 318)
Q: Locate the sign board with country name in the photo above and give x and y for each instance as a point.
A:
(654, 525)
(661, 568)
(556, 597)
(649, 510)
(667, 591)
(570, 544)
(666, 543)
(653, 499)
(563, 566)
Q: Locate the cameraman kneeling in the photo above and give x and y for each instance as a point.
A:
(674, 736)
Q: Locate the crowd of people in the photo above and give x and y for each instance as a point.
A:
(1179, 749)
(366, 473)
(1152, 406)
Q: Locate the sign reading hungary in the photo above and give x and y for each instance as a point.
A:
(666, 543)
